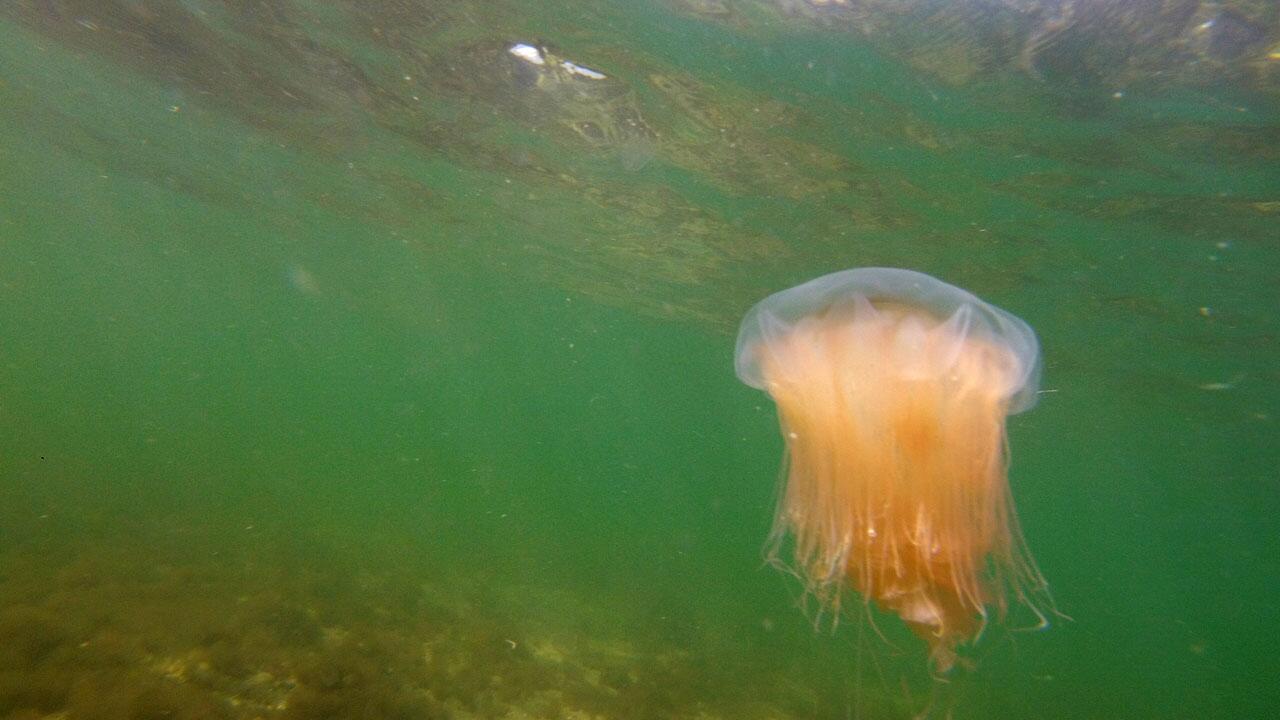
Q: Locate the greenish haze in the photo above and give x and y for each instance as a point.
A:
(351, 367)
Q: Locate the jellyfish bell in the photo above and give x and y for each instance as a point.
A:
(892, 389)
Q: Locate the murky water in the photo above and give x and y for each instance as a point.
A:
(356, 366)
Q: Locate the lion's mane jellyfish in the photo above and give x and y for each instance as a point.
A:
(892, 390)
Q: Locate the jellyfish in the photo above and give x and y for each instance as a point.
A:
(892, 389)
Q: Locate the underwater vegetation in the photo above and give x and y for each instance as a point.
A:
(639, 181)
(175, 621)
(1111, 42)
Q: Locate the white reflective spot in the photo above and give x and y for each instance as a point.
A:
(527, 53)
(921, 611)
(583, 71)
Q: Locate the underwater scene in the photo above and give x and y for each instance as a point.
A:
(691, 359)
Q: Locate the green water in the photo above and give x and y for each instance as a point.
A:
(350, 368)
